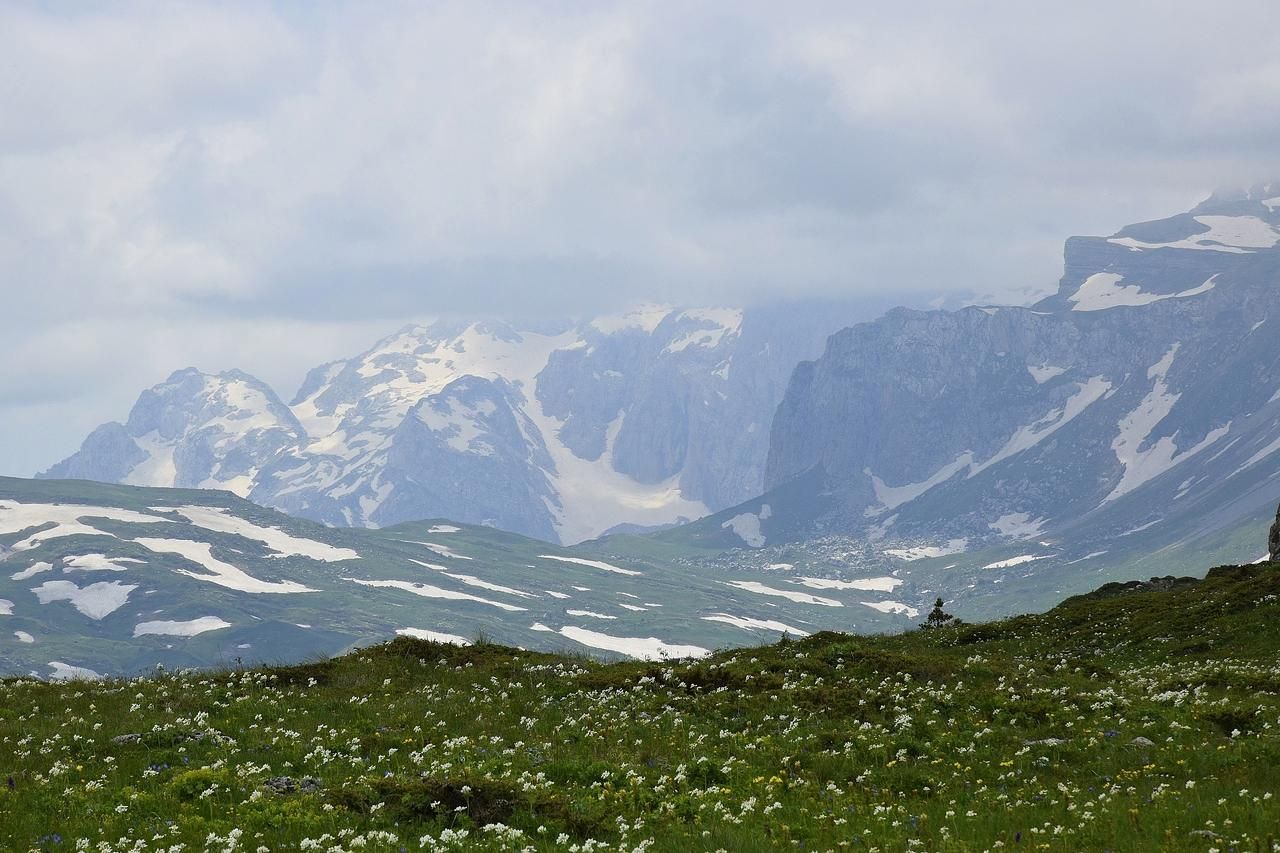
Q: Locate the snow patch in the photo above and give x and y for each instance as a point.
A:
(589, 613)
(891, 497)
(1234, 234)
(750, 624)
(1140, 465)
(1017, 525)
(67, 520)
(790, 595)
(925, 552)
(885, 584)
(1103, 290)
(641, 648)
(95, 600)
(595, 564)
(67, 672)
(429, 591)
(1016, 561)
(747, 526)
(93, 563)
(31, 571)
(24, 637)
(189, 628)
(222, 574)
(1044, 372)
(433, 636)
(284, 544)
(895, 607)
(714, 325)
(646, 318)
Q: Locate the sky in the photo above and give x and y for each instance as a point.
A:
(271, 186)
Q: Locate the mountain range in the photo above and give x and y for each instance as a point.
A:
(1000, 457)
(647, 418)
(1143, 397)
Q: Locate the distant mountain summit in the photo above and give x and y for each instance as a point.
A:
(649, 417)
(193, 430)
(1144, 394)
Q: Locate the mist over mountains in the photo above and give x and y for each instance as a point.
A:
(651, 417)
(987, 422)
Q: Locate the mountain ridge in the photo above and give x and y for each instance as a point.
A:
(612, 421)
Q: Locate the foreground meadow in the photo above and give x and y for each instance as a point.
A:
(1124, 720)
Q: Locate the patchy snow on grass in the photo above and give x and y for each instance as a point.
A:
(595, 564)
(469, 580)
(189, 628)
(554, 594)
(589, 613)
(440, 550)
(884, 584)
(749, 624)
(95, 600)
(222, 574)
(67, 672)
(641, 648)
(896, 608)
(790, 595)
(284, 544)
(31, 571)
(443, 528)
(67, 520)
(433, 636)
(429, 591)
(1016, 561)
(24, 637)
(93, 563)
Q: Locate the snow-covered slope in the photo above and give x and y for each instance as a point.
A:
(561, 433)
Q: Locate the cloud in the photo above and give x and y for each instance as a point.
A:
(176, 177)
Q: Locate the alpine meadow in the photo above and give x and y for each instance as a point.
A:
(622, 427)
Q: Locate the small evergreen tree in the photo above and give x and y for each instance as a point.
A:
(938, 618)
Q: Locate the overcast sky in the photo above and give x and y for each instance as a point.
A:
(270, 187)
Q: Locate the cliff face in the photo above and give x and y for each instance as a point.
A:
(1154, 370)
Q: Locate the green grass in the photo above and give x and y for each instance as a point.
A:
(1017, 734)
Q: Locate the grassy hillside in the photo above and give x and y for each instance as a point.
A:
(117, 580)
(1135, 718)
